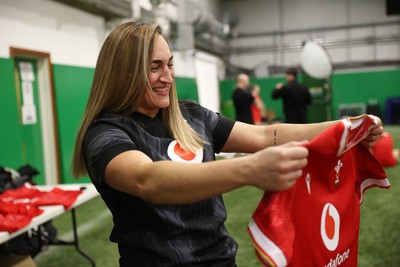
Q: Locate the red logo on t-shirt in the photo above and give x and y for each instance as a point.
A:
(186, 155)
(178, 154)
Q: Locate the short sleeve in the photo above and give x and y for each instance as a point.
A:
(221, 132)
(101, 144)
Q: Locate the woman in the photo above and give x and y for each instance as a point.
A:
(258, 107)
(140, 147)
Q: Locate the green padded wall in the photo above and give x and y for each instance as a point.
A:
(10, 134)
(363, 86)
(72, 86)
(16, 140)
(186, 88)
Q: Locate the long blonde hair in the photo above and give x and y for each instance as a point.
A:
(120, 82)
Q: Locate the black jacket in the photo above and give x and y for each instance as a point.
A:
(296, 97)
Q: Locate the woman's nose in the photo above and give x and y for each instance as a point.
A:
(167, 75)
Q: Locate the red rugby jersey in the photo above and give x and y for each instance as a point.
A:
(316, 222)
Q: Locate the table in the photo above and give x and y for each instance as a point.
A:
(50, 212)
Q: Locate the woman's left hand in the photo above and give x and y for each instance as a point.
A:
(374, 133)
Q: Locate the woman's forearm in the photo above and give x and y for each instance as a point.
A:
(167, 182)
(283, 133)
(247, 138)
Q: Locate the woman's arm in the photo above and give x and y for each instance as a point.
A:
(268, 168)
(247, 138)
(168, 182)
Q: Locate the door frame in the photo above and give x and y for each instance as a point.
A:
(49, 128)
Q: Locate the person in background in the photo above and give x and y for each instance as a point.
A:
(152, 157)
(295, 96)
(243, 99)
(258, 107)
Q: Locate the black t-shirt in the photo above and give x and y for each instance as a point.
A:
(242, 101)
(296, 97)
(161, 235)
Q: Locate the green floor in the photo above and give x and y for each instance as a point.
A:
(379, 242)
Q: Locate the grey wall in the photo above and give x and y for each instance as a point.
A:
(270, 32)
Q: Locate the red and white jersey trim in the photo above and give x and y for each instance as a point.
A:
(372, 182)
(275, 255)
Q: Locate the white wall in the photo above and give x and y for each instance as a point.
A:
(74, 37)
(206, 70)
(270, 16)
(71, 36)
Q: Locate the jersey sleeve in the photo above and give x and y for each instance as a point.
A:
(101, 144)
(221, 131)
(370, 172)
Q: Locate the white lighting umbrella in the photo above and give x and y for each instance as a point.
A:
(315, 60)
(316, 63)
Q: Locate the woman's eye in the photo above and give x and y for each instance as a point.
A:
(154, 68)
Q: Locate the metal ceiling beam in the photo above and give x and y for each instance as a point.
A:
(316, 29)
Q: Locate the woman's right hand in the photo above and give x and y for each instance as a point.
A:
(277, 168)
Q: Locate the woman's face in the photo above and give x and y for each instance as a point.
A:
(161, 77)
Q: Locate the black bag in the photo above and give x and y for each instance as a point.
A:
(31, 242)
(11, 179)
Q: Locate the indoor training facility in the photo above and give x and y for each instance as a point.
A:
(346, 52)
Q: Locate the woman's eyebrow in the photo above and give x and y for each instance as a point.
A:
(160, 61)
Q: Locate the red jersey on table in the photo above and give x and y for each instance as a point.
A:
(34, 196)
(14, 216)
(19, 206)
(316, 222)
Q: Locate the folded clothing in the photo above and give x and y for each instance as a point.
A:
(19, 206)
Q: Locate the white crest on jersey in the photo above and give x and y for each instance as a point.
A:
(330, 226)
(339, 165)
